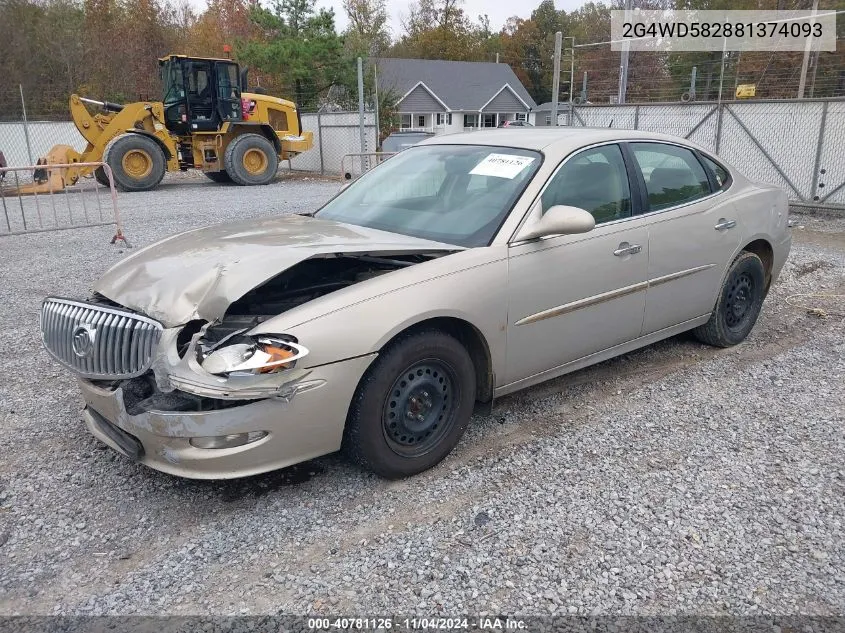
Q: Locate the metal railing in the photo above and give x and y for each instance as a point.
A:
(34, 199)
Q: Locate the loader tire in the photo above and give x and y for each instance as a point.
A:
(218, 176)
(251, 159)
(100, 177)
(137, 162)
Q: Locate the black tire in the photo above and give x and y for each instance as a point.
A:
(218, 176)
(100, 177)
(400, 425)
(739, 303)
(238, 155)
(121, 153)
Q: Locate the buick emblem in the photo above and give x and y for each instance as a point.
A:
(83, 340)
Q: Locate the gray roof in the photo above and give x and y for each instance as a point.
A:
(460, 85)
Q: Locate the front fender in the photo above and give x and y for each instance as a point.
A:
(477, 295)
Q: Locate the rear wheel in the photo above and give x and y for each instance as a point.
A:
(251, 159)
(412, 406)
(739, 303)
(136, 161)
(218, 176)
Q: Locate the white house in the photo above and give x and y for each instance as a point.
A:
(441, 96)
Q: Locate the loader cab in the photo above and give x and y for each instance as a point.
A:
(200, 94)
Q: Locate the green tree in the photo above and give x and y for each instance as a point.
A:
(299, 46)
(367, 33)
(440, 29)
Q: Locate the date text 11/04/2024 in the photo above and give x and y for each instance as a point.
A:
(483, 623)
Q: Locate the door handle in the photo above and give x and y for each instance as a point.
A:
(724, 225)
(627, 249)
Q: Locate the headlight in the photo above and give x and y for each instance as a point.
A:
(248, 355)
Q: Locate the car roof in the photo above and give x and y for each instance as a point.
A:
(550, 140)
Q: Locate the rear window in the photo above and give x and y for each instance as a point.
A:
(672, 174)
(723, 178)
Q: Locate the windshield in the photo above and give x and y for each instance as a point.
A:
(457, 194)
(173, 83)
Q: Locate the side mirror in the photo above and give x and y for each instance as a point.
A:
(559, 220)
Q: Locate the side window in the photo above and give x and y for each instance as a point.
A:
(723, 178)
(594, 180)
(672, 174)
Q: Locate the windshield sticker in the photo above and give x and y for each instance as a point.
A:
(502, 166)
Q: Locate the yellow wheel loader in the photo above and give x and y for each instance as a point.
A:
(206, 120)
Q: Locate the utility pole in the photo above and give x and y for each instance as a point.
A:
(623, 71)
(361, 108)
(378, 106)
(803, 83)
(556, 76)
(571, 82)
(25, 126)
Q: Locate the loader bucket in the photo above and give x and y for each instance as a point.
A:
(47, 180)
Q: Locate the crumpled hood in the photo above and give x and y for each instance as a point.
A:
(199, 273)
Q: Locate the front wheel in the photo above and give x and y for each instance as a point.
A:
(250, 159)
(412, 406)
(137, 162)
(739, 303)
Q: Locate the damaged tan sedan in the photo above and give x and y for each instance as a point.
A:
(458, 271)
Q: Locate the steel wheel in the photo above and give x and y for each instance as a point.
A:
(739, 300)
(137, 163)
(412, 405)
(419, 409)
(738, 304)
(255, 161)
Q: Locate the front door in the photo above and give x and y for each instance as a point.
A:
(574, 295)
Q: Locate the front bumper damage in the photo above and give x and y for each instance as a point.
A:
(305, 419)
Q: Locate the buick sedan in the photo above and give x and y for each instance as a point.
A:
(461, 270)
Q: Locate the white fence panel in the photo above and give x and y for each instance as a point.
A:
(42, 136)
(336, 134)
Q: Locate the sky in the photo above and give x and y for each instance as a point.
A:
(498, 10)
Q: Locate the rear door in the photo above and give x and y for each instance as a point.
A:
(692, 232)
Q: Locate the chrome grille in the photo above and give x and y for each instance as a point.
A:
(96, 341)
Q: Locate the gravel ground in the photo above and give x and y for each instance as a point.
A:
(678, 479)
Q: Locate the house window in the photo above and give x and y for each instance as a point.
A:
(444, 118)
(405, 122)
(488, 120)
(421, 120)
(548, 120)
(520, 116)
(470, 120)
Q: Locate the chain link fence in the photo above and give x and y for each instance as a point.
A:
(795, 144)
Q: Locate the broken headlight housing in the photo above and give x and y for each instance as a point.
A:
(243, 355)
